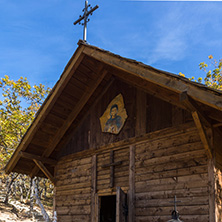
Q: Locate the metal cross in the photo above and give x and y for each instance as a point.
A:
(85, 17)
(112, 164)
(175, 202)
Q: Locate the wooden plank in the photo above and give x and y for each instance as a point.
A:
(192, 106)
(83, 100)
(140, 113)
(153, 136)
(97, 208)
(203, 135)
(36, 157)
(158, 77)
(44, 170)
(131, 192)
(120, 203)
(177, 116)
(94, 188)
(212, 191)
(49, 102)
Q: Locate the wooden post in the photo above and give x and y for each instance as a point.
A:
(212, 191)
(202, 133)
(131, 200)
(94, 188)
(44, 170)
(120, 202)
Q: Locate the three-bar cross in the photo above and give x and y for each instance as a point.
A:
(112, 164)
(85, 17)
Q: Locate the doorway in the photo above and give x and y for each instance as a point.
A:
(108, 208)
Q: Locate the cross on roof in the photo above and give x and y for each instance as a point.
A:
(175, 202)
(85, 17)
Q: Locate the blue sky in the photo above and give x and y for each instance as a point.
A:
(37, 38)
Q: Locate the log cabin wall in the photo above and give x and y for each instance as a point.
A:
(168, 162)
(146, 114)
(121, 172)
(73, 189)
(218, 195)
(175, 165)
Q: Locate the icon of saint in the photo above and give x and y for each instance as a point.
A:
(114, 117)
(114, 123)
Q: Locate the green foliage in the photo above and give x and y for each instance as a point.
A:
(18, 106)
(19, 103)
(213, 73)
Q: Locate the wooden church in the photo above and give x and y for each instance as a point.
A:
(120, 139)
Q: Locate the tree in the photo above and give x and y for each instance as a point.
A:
(213, 73)
(213, 77)
(18, 105)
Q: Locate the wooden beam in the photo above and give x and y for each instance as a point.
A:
(82, 101)
(67, 139)
(161, 78)
(152, 136)
(192, 106)
(36, 157)
(202, 133)
(198, 115)
(94, 188)
(212, 190)
(44, 170)
(147, 87)
(48, 104)
(217, 125)
(131, 191)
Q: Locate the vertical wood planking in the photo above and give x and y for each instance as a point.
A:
(96, 208)
(131, 199)
(93, 193)
(212, 190)
(177, 116)
(140, 112)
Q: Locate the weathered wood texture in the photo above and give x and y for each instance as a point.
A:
(218, 180)
(175, 165)
(164, 166)
(121, 172)
(73, 189)
(146, 114)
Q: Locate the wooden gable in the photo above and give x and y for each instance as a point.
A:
(146, 113)
(90, 80)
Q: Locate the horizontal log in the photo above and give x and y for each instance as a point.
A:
(73, 192)
(171, 141)
(144, 187)
(144, 176)
(73, 197)
(36, 157)
(187, 218)
(76, 218)
(67, 163)
(75, 202)
(184, 201)
(73, 187)
(164, 211)
(172, 165)
(164, 194)
(165, 159)
(153, 136)
(74, 210)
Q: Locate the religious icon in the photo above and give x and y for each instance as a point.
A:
(114, 117)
